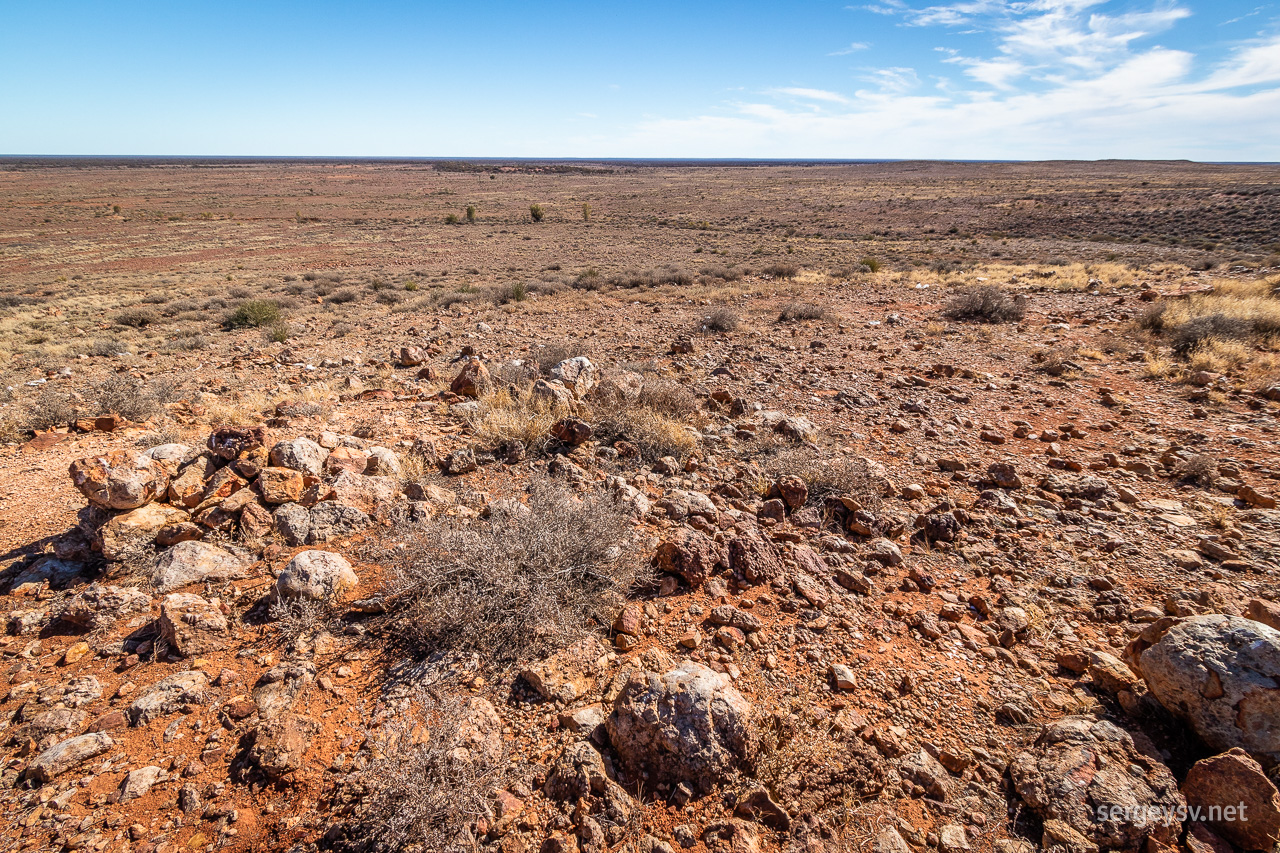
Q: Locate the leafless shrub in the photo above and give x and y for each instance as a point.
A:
(801, 311)
(432, 784)
(1058, 361)
(1195, 333)
(824, 475)
(1201, 469)
(722, 320)
(986, 304)
(550, 354)
(721, 272)
(50, 408)
(1152, 317)
(668, 397)
(106, 348)
(132, 399)
(299, 617)
(781, 271)
(528, 579)
(188, 342)
(342, 297)
(136, 317)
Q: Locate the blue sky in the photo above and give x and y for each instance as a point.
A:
(974, 79)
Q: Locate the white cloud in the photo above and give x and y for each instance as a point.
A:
(854, 47)
(1061, 81)
(892, 79)
(811, 94)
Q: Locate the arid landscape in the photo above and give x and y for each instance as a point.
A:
(360, 505)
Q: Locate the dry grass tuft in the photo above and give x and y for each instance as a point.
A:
(512, 414)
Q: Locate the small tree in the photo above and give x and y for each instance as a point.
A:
(536, 211)
(586, 211)
(471, 214)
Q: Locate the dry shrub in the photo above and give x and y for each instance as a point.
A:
(1194, 333)
(529, 579)
(136, 317)
(299, 617)
(722, 320)
(550, 354)
(1058, 361)
(50, 408)
(785, 271)
(801, 311)
(987, 304)
(1201, 469)
(824, 475)
(721, 272)
(430, 785)
(132, 399)
(657, 424)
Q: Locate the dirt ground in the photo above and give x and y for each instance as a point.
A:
(798, 318)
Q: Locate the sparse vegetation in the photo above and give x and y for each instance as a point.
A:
(530, 578)
(433, 779)
(793, 311)
(536, 212)
(722, 320)
(988, 304)
(254, 313)
(133, 400)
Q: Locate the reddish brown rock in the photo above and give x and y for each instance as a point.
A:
(281, 485)
(691, 554)
(1236, 799)
(472, 380)
(121, 479)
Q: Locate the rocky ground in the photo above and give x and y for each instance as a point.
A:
(789, 561)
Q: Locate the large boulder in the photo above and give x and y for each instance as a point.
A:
(332, 520)
(299, 454)
(1236, 799)
(367, 494)
(687, 725)
(98, 606)
(1090, 775)
(316, 575)
(130, 531)
(293, 522)
(690, 554)
(61, 757)
(280, 485)
(195, 562)
(1219, 674)
(279, 687)
(754, 557)
(192, 625)
(169, 695)
(577, 374)
(622, 386)
(277, 747)
(121, 479)
(472, 380)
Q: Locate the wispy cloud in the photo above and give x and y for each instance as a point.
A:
(1059, 79)
(852, 48)
(810, 94)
